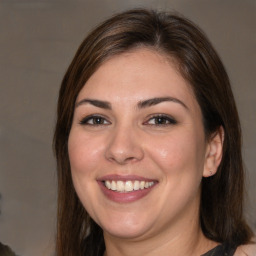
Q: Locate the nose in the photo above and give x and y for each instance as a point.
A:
(124, 146)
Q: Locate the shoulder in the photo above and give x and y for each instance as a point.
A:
(246, 250)
(5, 250)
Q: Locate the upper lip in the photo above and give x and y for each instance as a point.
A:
(117, 177)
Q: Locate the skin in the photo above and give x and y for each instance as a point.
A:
(129, 141)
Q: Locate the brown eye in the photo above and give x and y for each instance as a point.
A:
(161, 120)
(94, 120)
(97, 120)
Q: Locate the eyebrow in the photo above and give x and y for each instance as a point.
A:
(141, 104)
(96, 103)
(155, 101)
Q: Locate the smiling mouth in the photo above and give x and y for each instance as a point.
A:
(127, 186)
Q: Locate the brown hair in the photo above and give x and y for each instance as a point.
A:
(221, 209)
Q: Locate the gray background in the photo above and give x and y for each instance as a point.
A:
(38, 39)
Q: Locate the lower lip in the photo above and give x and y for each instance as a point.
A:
(125, 197)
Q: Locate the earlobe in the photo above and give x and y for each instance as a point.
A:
(214, 153)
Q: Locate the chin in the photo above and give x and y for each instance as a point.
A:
(127, 229)
(125, 233)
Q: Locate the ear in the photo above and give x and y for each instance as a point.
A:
(213, 154)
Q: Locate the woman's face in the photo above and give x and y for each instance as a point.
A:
(137, 146)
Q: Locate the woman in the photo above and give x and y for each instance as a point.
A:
(148, 144)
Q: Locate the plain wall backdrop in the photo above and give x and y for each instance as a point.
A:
(38, 39)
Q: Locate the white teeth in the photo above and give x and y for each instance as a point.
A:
(142, 184)
(136, 185)
(108, 184)
(113, 185)
(127, 186)
(120, 186)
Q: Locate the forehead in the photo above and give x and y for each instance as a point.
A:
(136, 75)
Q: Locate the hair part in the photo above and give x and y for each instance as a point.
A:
(221, 209)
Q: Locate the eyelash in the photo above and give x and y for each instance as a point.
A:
(167, 119)
(98, 120)
(87, 119)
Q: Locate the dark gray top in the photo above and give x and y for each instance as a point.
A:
(5, 250)
(221, 250)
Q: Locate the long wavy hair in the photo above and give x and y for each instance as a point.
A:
(221, 207)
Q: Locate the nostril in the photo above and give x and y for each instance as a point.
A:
(122, 159)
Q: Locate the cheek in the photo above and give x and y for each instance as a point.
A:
(179, 154)
(83, 153)
(84, 161)
(180, 158)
